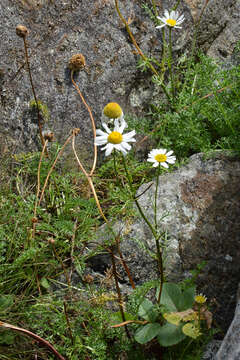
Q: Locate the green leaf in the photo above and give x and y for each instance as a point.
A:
(147, 311)
(170, 297)
(187, 298)
(170, 334)
(147, 333)
(45, 283)
(116, 317)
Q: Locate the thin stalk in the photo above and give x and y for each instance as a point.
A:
(52, 167)
(62, 265)
(170, 61)
(155, 197)
(38, 188)
(154, 8)
(90, 182)
(164, 48)
(151, 227)
(154, 71)
(176, 6)
(124, 263)
(68, 322)
(194, 43)
(92, 121)
(34, 336)
(89, 179)
(120, 301)
(115, 167)
(34, 94)
(136, 201)
(160, 267)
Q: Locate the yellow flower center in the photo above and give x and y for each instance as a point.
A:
(160, 158)
(112, 110)
(171, 22)
(200, 299)
(115, 137)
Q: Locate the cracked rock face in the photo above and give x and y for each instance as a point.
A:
(60, 29)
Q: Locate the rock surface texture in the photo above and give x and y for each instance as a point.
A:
(60, 29)
(230, 347)
(199, 207)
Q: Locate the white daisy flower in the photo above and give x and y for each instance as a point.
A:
(171, 19)
(162, 157)
(111, 112)
(115, 139)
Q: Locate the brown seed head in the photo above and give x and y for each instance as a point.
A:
(48, 135)
(76, 131)
(51, 241)
(34, 220)
(77, 62)
(21, 31)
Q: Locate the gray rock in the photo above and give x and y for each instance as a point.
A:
(230, 347)
(60, 29)
(211, 350)
(198, 207)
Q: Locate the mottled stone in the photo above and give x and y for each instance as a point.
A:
(60, 29)
(230, 347)
(199, 208)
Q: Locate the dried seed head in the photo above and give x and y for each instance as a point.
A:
(77, 62)
(88, 278)
(75, 131)
(34, 220)
(21, 31)
(51, 241)
(48, 135)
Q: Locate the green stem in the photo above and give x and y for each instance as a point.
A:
(153, 230)
(155, 198)
(170, 64)
(152, 68)
(136, 201)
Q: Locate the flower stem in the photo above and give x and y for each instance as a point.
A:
(151, 227)
(155, 197)
(170, 65)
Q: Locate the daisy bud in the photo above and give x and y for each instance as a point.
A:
(113, 111)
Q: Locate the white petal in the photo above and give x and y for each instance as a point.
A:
(155, 164)
(171, 160)
(160, 26)
(162, 151)
(164, 165)
(100, 132)
(151, 160)
(169, 153)
(128, 136)
(118, 146)
(116, 125)
(166, 14)
(125, 145)
(106, 128)
(100, 141)
(109, 149)
(123, 150)
(122, 126)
